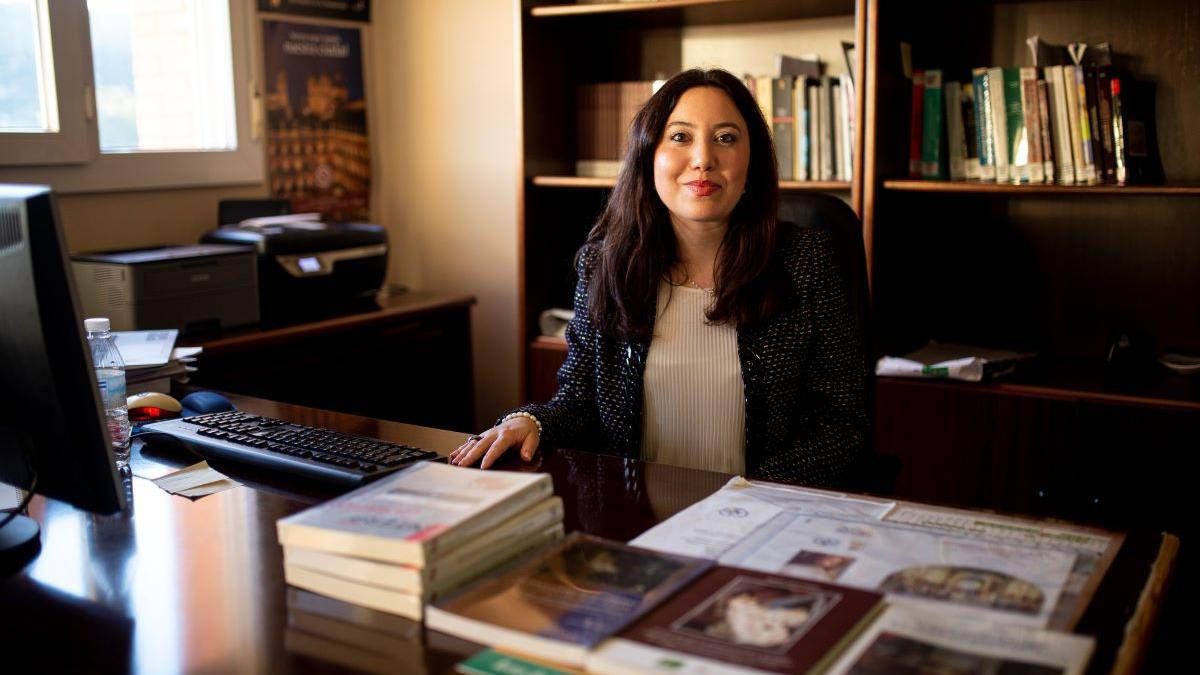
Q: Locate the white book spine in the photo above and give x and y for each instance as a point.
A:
(1061, 126)
(999, 126)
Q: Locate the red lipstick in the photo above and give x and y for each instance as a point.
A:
(703, 188)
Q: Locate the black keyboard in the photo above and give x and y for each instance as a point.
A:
(322, 454)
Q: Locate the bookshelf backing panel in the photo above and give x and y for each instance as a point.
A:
(1057, 276)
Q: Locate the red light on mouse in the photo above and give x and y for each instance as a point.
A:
(150, 414)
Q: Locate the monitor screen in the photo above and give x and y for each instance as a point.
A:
(51, 421)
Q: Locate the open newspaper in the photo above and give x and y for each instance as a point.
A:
(1016, 570)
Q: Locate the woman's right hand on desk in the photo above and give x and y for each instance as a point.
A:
(516, 432)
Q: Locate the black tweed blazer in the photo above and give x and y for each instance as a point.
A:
(803, 371)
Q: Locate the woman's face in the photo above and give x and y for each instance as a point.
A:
(701, 161)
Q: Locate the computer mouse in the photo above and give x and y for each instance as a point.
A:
(152, 406)
(204, 403)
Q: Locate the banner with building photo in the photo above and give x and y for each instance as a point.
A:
(318, 154)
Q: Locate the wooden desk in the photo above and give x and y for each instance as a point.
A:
(405, 358)
(176, 585)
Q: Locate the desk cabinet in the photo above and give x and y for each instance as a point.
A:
(408, 360)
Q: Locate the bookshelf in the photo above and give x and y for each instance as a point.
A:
(1055, 269)
(1051, 268)
(565, 44)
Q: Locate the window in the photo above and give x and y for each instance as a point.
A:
(127, 94)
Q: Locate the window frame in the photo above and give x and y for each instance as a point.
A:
(79, 165)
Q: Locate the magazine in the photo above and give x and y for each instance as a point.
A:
(1019, 583)
(561, 603)
(909, 640)
(737, 621)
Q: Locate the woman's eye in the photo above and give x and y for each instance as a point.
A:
(726, 139)
(679, 137)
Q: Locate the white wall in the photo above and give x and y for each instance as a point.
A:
(447, 166)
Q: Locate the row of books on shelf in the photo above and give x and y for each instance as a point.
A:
(812, 124)
(1072, 118)
(756, 578)
(810, 115)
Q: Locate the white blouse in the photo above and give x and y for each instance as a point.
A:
(694, 412)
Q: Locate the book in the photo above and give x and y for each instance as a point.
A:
(1060, 122)
(825, 129)
(370, 596)
(415, 515)
(492, 662)
(935, 642)
(970, 131)
(374, 621)
(1043, 97)
(983, 124)
(1142, 163)
(762, 95)
(931, 131)
(1090, 84)
(956, 144)
(563, 602)
(1082, 128)
(811, 88)
(999, 123)
(959, 362)
(1033, 124)
(1104, 110)
(430, 582)
(800, 135)
(916, 124)
(1076, 138)
(797, 67)
(738, 621)
(1016, 127)
(783, 123)
(844, 128)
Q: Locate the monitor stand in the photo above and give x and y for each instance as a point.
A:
(19, 543)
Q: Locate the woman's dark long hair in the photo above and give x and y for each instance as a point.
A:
(636, 242)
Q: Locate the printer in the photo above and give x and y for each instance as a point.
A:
(190, 288)
(306, 266)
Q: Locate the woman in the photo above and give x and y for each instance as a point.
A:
(706, 333)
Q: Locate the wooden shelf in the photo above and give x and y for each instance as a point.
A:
(699, 12)
(612, 7)
(1079, 380)
(993, 188)
(589, 182)
(551, 343)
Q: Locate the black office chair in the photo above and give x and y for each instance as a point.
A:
(873, 472)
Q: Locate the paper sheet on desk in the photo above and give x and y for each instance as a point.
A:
(196, 480)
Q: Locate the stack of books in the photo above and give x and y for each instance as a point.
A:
(362, 639)
(604, 113)
(409, 538)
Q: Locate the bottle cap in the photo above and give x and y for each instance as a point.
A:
(99, 325)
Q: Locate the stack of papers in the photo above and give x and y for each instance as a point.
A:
(152, 361)
(955, 362)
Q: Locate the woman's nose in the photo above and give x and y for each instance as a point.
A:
(703, 158)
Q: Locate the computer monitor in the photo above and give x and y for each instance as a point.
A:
(51, 421)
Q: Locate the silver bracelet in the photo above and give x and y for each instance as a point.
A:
(526, 415)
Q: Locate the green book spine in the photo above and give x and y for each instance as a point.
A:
(1018, 134)
(931, 134)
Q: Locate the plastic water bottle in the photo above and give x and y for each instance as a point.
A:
(110, 375)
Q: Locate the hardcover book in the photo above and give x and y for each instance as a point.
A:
(562, 603)
(738, 621)
(415, 515)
